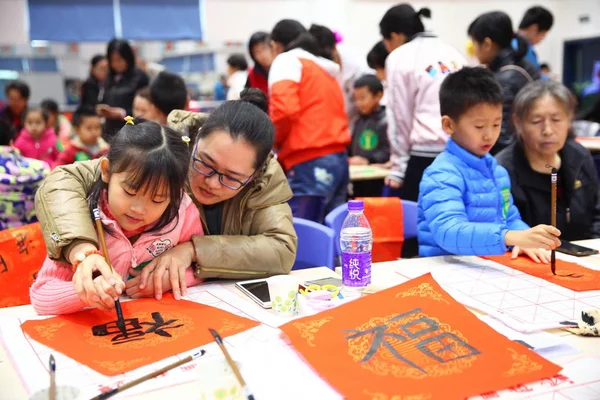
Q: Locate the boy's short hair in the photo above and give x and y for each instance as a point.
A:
(81, 112)
(238, 61)
(377, 56)
(466, 88)
(19, 86)
(168, 92)
(370, 82)
(50, 106)
(537, 15)
(7, 134)
(545, 66)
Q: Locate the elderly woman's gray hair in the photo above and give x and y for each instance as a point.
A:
(527, 97)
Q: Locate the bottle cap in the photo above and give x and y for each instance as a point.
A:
(356, 205)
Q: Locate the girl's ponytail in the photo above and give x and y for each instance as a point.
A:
(522, 47)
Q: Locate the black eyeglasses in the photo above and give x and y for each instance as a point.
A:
(203, 168)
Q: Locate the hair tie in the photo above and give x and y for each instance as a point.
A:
(338, 37)
(129, 120)
(186, 140)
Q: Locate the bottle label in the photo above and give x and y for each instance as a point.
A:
(356, 269)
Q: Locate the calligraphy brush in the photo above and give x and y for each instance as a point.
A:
(232, 364)
(100, 229)
(554, 179)
(52, 391)
(135, 382)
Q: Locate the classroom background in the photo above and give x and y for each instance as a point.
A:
(53, 55)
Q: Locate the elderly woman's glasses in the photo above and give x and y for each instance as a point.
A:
(203, 168)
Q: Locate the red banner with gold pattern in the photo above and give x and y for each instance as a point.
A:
(568, 275)
(412, 341)
(153, 330)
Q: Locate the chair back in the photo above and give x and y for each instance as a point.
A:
(315, 245)
(335, 220)
(308, 206)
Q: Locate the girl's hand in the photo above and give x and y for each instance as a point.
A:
(102, 291)
(176, 260)
(133, 285)
(538, 255)
(358, 160)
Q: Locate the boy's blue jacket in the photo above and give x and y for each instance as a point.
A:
(465, 206)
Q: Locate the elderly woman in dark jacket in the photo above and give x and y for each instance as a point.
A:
(492, 34)
(542, 117)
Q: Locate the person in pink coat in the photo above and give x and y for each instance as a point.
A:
(140, 195)
(37, 139)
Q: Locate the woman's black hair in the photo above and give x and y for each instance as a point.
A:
(403, 18)
(497, 26)
(306, 42)
(286, 31)
(256, 97)
(255, 39)
(325, 38)
(125, 51)
(155, 156)
(238, 61)
(377, 56)
(96, 59)
(242, 119)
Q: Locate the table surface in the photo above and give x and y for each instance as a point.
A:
(590, 143)
(367, 172)
(383, 276)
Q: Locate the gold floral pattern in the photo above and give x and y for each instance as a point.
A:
(423, 290)
(121, 364)
(310, 328)
(49, 331)
(229, 325)
(383, 396)
(522, 364)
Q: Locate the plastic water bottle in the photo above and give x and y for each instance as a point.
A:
(356, 241)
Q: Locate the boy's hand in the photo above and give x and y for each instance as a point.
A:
(537, 255)
(358, 160)
(393, 183)
(538, 237)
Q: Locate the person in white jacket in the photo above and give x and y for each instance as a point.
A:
(415, 68)
(237, 69)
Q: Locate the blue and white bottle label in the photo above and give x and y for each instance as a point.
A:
(356, 269)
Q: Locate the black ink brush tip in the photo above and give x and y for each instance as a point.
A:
(216, 336)
(52, 364)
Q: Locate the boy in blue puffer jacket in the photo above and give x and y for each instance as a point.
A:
(465, 205)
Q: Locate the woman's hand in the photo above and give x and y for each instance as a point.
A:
(538, 255)
(176, 260)
(102, 291)
(109, 112)
(134, 291)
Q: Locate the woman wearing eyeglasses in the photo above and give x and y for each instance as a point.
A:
(239, 188)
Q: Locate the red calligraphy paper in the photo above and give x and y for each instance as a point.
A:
(412, 341)
(568, 275)
(155, 330)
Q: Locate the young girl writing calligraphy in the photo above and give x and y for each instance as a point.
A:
(144, 211)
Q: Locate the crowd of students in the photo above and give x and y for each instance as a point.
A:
(295, 121)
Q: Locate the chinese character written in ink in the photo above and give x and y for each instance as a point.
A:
(354, 269)
(22, 243)
(132, 329)
(442, 348)
(3, 264)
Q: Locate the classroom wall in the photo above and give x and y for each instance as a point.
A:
(234, 20)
